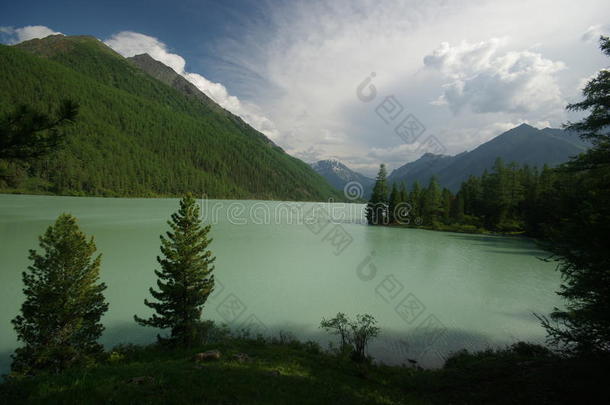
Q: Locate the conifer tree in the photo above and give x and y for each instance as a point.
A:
(415, 197)
(393, 203)
(596, 125)
(59, 322)
(28, 133)
(579, 239)
(499, 189)
(446, 201)
(431, 207)
(377, 207)
(404, 195)
(457, 208)
(471, 191)
(185, 280)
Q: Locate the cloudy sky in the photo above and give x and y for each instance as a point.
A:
(362, 81)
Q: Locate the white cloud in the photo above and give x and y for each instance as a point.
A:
(300, 61)
(465, 59)
(593, 33)
(512, 82)
(129, 43)
(309, 56)
(305, 61)
(310, 155)
(400, 153)
(17, 35)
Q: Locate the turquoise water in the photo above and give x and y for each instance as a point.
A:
(277, 269)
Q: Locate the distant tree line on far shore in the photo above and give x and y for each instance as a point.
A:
(509, 199)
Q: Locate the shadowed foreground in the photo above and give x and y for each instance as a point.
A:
(289, 372)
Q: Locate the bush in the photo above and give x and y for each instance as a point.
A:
(124, 352)
(338, 326)
(530, 350)
(207, 332)
(362, 331)
(285, 338)
(355, 335)
(520, 351)
(312, 347)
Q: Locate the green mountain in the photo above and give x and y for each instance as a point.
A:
(524, 144)
(138, 136)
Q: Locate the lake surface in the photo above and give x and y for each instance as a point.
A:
(284, 266)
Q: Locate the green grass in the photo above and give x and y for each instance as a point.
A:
(307, 375)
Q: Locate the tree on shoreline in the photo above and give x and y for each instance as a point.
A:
(60, 318)
(185, 280)
(377, 207)
(393, 204)
(578, 237)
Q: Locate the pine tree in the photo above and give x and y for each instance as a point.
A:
(431, 207)
(499, 189)
(579, 239)
(472, 193)
(28, 133)
(394, 204)
(415, 199)
(528, 207)
(404, 195)
(595, 126)
(516, 187)
(488, 206)
(60, 318)
(185, 280)
(446, 201)
(457, 208)
(377, 207)
(405, 212)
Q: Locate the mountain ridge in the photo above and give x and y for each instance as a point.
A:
(137, 136)
(339, 175)
(169, 76)
(524, 144)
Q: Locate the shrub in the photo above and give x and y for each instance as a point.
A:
(355, 334)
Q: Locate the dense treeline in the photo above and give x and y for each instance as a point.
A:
(136, 136)
(508, 198)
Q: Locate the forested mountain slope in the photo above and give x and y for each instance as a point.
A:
(137, 136)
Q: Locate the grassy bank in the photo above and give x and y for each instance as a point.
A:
(291, 372)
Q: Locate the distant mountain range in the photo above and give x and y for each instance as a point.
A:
(339, 175)
(523, 144)
(142, 130)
